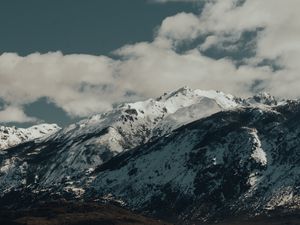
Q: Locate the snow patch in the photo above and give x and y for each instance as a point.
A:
(258, 153)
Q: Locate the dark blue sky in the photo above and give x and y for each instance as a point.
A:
(94, 27)
(90, 26)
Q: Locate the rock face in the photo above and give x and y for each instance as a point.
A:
(186, 156)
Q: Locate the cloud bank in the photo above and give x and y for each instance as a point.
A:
(84, 84)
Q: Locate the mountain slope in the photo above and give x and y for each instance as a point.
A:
(230, 163)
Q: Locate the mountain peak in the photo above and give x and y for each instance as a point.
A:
(11, 136)
(183, 90)
(263, 98)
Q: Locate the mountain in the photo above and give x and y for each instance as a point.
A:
(12, 136)
(188, 156)
(231, 163)
(81, 147)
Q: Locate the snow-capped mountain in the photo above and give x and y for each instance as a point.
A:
(83, 146)
(231, 163)
(12, 136)
(189, 155)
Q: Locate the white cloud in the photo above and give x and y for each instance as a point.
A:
(151, 70)
(14, 114)
(80, 84)
(180, 27)
(209, 42)
(279, 40)
(85, 84)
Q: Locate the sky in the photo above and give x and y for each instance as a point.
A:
(63, 60)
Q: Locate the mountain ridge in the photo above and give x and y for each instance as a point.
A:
(12, 136)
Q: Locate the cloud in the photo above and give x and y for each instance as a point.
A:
(85, 84)
(183, 26)
(151, 70)
(80, 84)
(278, 40)
(14, 114)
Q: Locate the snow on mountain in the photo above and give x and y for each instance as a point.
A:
(244, 161)
(130, 124)
(90, 142)
(83, 146)
(12, 136)
(189, 155)
(144, 116)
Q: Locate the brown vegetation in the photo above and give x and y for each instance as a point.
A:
(71, 213)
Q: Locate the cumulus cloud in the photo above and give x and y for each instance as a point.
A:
(278, 40)
(183, 26)
(14, 114)
(80, 84)
(85, 84)
(151, 70)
